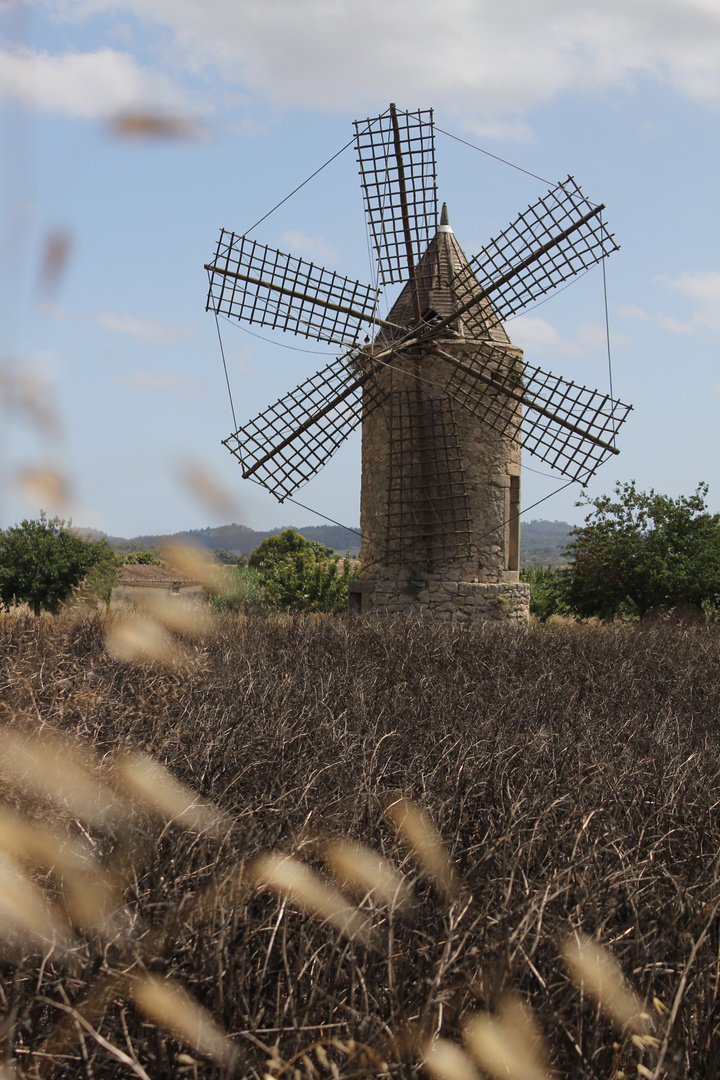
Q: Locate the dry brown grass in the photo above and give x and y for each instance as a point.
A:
(567, 780)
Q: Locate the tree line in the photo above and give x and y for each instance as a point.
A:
(45, 563)
(635, 553)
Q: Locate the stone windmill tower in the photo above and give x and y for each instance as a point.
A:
(445, 401)
(440, 506)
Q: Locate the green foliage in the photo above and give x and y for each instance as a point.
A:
(142, 558)
(289, 542)
(639, 550)
(301, 575)
(42, 561)
(242, 590)
(546, 591)
(226, 557)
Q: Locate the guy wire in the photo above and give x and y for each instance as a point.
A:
(497, 157)
(295, 190)
(532, 506)
(323, 516)
(607, 332)
(227, 377)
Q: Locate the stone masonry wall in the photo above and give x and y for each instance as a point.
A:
(463, 601)
(474, 584)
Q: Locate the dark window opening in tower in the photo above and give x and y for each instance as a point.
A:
(513, 551)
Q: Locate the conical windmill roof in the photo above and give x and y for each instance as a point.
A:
(434, 272)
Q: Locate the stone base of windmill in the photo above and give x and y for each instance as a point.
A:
(456, 601)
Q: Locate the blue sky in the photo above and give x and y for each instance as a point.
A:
(112, 390)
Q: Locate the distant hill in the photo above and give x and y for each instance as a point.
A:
(239, 539)
(541, 542)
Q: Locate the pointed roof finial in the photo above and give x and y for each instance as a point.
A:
(444, 226)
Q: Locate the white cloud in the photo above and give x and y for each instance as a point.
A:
(153, 330)
(636, 314)
(704, 288)
(161, 380)
(538, 336)
(481, 56)
(506, 130)
(90, 85)
(312, 247)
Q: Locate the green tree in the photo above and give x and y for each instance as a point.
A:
(301, 575)
(546, 591)
(226, 557)
(42, 561)
(639, 550)
(289, 542)
(142, 558)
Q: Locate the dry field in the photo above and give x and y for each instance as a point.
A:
(572, 778)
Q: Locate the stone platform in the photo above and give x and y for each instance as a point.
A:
(460, 601)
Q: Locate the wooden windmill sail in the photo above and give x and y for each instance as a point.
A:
(445, 401)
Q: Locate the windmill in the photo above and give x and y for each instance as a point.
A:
(445, 400)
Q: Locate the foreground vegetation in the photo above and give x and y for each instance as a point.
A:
(572, 773)
(638, 553)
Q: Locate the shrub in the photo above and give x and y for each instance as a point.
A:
(142, 558)
(42, 561)
(241, 590)
(639, 551)
(546, 591)
(302, 575)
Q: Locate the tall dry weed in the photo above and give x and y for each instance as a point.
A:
(552, 790)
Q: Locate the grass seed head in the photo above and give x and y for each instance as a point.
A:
(518, 1018)
(26, 916)
(203, 484)
(94, 902)
(56, 252)
(154, 125)
(55, 850)
(503, 1046)
(417, 831)
(596, 973)
(45, 487)
(296, 882)
(50, 767)
(172, 1008)
(196, 563)
(140, 776)
(359, 869)
(177, 615)
(138, 639)
(445, 1060)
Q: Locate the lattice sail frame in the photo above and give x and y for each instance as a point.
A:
(257, 284)
(568, 426)
(283, 447)
(381, 177)
(556, 238)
